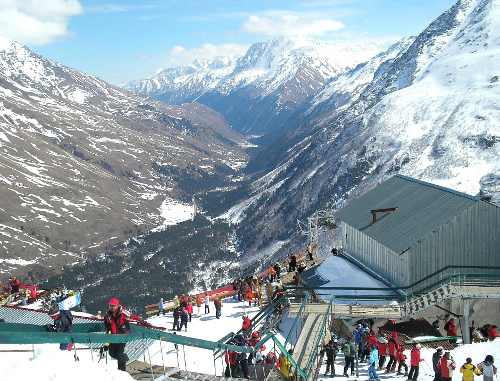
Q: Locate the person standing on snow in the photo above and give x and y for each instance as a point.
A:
(330, 350)
(469, 370)
(117, 321)
(415, 360)
(487, 369)
(393, 348)
(447, 366)
(218, 307)
(190, 308)
(161, 307)
(207, 302)
(184, 319)
(373, 361)
(436, 358)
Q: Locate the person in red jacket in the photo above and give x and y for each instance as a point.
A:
(401, 358)
(491, 332)
(117, 321)
(393, 348)
(451, 330)
(415, 361)
(382, 351)
(446, 365)
(246, 326)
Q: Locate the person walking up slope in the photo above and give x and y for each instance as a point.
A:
(117, 321)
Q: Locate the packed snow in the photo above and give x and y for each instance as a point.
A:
(47, 362)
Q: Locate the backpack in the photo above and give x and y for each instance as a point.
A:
(67, 315)
(346, 349)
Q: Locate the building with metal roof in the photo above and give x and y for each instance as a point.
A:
(415, 234)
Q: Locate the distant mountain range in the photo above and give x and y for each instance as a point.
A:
(85, 165)
(259, 91)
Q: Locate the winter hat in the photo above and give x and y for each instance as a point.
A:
(114, 302)
(489, 358)
(468, 360)
(418, 346)
(53, 311)
(394, 334)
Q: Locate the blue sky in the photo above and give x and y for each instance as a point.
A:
(122, 40)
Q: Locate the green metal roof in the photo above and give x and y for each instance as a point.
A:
(422, 208)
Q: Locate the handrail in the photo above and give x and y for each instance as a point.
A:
(309, 367)
(12, 333)
(288, 356)
(299, 315)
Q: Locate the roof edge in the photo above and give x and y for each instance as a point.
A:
(457, 193)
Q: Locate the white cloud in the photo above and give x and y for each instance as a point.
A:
(37, 22)
(290, 24)
(179, 55)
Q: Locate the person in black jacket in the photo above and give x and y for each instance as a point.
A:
(63, 322)
(242, 357)
(436, 357)
(330, 349)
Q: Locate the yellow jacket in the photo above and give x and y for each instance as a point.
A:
(285, 366)
(469, 371)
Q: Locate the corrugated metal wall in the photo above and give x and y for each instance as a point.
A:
(385, 262)
(472, 238)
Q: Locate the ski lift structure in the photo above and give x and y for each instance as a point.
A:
(318, 223)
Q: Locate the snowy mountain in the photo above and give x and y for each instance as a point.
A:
(257, 92)
(85, 165)
(428, 109)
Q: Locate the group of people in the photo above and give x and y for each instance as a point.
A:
(247, 289)
(365, 346)
(443, 365)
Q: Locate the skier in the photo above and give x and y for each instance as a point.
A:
(117, 321)
(415, 360)
(382, 351)
(393, 348)
(401, 359)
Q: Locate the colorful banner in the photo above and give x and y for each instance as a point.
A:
(70, 302)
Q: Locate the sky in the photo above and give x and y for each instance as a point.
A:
(49, 363)
(122, 40)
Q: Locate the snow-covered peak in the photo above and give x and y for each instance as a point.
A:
(5, 43)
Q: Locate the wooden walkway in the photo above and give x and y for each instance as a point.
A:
(349, 311)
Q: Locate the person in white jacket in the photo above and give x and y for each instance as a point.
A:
(487, 368)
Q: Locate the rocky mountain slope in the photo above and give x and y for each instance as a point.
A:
(85, 165)
(259, 91)
(431, 111)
